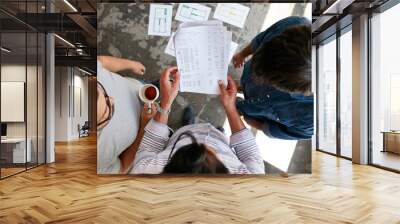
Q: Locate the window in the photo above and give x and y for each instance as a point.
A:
(17, 153)
(23, 79)
(346, 93)
(327, 96)
(385, 89)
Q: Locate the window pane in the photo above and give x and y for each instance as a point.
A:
(22, 89)
(345, 94)
(386, 89)
(15, 150)
(327, 97)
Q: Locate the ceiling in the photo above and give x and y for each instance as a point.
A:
(74, 22)
(332, 15)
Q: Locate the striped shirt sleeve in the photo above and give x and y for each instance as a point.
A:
(154, 141)
(247, 151)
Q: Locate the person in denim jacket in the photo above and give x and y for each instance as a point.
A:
(276, 81)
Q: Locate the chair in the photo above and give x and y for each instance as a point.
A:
(84, 129)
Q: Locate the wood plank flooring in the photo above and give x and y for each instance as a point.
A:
(70, 191)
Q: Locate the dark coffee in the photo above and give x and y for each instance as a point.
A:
(150, 93)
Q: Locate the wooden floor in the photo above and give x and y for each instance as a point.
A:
(69, 191)
(387, 159)
(10, 171)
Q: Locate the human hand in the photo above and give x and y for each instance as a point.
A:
(169, 88)
(228, 94)
(238, 60)
(138, 68)
(148, 112)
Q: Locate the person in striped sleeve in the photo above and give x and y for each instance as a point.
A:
(196, 148)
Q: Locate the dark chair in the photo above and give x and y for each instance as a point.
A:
(84, 130)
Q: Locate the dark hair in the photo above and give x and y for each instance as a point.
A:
(284, 62)
(193, 158)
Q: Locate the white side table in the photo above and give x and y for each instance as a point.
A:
(18, 145)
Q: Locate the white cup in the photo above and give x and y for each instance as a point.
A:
(144, 98)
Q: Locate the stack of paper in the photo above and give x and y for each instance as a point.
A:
(202, 51)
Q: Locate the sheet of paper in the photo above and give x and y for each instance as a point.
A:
(160, 19)
(204, 23)
(202, 64)
(232, 13)
(227, 51)
(232, 50)
(192, 12)
(228, 42)
(170, 49)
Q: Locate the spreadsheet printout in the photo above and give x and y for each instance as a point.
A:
(202, 54)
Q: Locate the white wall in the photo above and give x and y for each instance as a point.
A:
(33, 126)
(61, 104)
(12, 73)
(70, 83)
(16, 73)
(80, 83)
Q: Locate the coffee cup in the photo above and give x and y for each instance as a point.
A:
(148, 94)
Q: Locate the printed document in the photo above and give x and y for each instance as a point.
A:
(170, 48)
(232, 50)
(160, 20)
(202, 53)
(232, 13)
(192, 12)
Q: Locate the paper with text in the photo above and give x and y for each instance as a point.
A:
(192, 12)
(204, 23)
(232, 50)
(170, 48)
(202, 54)
(232, 13)
(160, 19)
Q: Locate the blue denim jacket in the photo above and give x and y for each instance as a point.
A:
(285, 115)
